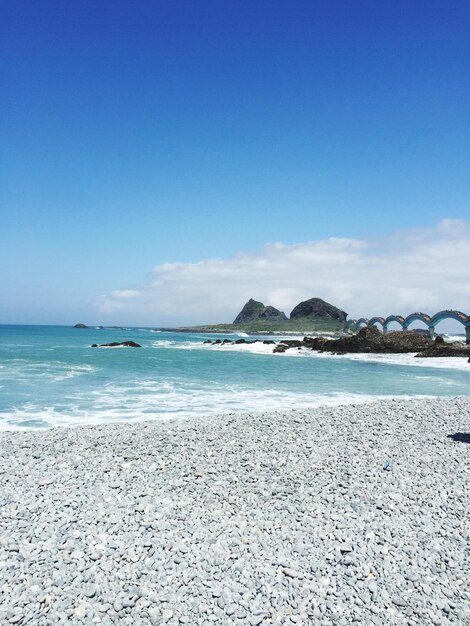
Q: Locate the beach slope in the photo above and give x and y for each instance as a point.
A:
(331, 515)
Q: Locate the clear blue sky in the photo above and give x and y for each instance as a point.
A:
(134, 133)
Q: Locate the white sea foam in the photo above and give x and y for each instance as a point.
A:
(452, 338)
(20, 370)
(408, 359)
(74, 371)
(115, 404)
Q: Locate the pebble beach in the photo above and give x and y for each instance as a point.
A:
(332, 515)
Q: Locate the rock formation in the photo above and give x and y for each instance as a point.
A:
(271, 314)
(441, 348)
(80, 325)
(117, 344)
(254, 310)
(368, 340)
(317, 308)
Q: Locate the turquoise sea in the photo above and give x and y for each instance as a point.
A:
(50, 376)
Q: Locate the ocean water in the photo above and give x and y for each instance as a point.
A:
(50, 376)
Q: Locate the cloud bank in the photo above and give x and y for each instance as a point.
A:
(418, 269)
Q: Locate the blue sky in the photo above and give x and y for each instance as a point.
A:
(135, 134)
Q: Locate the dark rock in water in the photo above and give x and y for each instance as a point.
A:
(315, 343)
(280, 348)
(254, 310)
(225, 341)
(268, 341)
(240, 341)
(218, 341)
(370, 339)
(116, 344)
(441, 348)
(80, 325)
(317, 308)
(292, 343)
(208, 341)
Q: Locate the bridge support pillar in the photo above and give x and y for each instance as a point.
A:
(467, 334)
(432, 332)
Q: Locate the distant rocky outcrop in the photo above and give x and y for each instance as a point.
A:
(368, 340)
(80, 325)
(441, 348)
(254, 310)
(117, 344)
(316, 308)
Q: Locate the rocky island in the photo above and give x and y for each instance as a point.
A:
(313, 315)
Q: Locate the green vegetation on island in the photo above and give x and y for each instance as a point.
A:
(311, 316)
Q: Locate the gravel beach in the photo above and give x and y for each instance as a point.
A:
(336, 515)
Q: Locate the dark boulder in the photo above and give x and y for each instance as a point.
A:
(315, 343)
(80, 325)
(292, 343)
(441, 348)
(117, 344)
(316, 308)
(371, 340)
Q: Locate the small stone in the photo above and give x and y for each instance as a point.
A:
(230, 609)
(344, 548)
(292, 573)
(80, 610)
(117, 606)
(89, 591)
(167, 615)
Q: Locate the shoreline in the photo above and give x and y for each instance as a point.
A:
(253, 518)
(211, 330)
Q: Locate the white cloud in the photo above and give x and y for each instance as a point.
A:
(417, 269)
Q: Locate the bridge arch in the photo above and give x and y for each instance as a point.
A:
(450, 315)
(377, 320)
(405, 322)
(393, 318)
(414, 317)
(350, 324)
